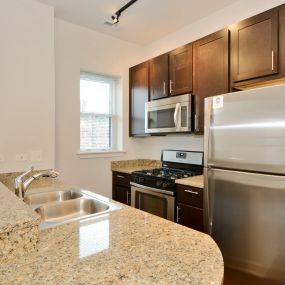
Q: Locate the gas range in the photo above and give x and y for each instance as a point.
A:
(153, 190)
(176, 165)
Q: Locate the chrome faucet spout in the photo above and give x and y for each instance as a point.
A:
(22, 185)
(19, 181)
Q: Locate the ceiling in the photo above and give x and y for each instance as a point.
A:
(142, 23)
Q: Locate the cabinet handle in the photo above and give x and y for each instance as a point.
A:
(272, 60)
(192, 192)
(128, 198)
(177, 214)
(164, 88)
(170, 85)
(196, 123)
(120, 176)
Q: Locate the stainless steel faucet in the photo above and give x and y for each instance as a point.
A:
(22, 185)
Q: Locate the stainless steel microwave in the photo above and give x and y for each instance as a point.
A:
(169, 115)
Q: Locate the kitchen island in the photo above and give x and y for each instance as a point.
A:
(127, 246)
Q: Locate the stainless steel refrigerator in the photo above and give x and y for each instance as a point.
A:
(245, 180)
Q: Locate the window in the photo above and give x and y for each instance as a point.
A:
(97, 113)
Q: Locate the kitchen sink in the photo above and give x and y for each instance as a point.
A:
(38, 199)
(60, 207)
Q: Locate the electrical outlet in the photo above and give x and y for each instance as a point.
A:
(36, 155)
(2, 158)
(21, 157)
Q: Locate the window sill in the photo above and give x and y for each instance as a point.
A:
(94, 154)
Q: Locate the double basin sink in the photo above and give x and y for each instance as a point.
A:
(60, 207)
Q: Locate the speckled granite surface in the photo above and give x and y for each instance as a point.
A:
(128, 166)
(18, 226)
(125, 247)
(195, 181)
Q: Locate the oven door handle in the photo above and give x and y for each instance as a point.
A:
(170, 193)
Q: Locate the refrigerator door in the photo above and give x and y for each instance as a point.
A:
(245, 214)
(246, 130)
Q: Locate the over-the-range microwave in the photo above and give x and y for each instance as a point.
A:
(169, 115)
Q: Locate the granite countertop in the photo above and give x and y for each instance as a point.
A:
(128, 246)
(129, 166)
(195, 181)
(14, 213)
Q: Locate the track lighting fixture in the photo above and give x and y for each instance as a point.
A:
(116, 16)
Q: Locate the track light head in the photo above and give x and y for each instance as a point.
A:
(115, 18)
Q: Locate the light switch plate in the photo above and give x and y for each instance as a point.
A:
(21, 157)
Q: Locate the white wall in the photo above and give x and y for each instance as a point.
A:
(26, 83)
(79, 48)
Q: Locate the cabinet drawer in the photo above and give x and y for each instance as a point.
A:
(190, 195)
(120, 178)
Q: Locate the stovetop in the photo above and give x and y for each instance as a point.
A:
(168, 173)
(176, 164)
(161, 178)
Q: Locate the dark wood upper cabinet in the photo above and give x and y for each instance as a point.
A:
(211, 71)
(158, 72)
(139, 94)
(254, 51)
(180, 70)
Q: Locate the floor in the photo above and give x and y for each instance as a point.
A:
(233, 277)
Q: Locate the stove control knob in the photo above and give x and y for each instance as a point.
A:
(141, 179)
(158, 183)
(136, 179)
(164, 185)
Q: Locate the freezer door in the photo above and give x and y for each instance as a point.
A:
(246, 130)
(245, 214)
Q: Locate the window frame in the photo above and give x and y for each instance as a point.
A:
(113, 150)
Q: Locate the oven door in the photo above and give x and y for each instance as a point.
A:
(152, 200)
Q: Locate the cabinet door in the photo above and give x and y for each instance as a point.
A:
(211, 71)
(255, 47)
(180, 70)
(191, 217)
(159, 77)
(123, 194)
(139, 95)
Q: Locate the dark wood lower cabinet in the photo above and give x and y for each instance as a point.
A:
(189, 208)
(190, 216)
(121, 191)
(123, 194)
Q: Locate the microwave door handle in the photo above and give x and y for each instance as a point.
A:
(176, 114)
(179, 117)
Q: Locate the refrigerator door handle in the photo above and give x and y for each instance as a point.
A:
(207, 130)
(208, 218)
